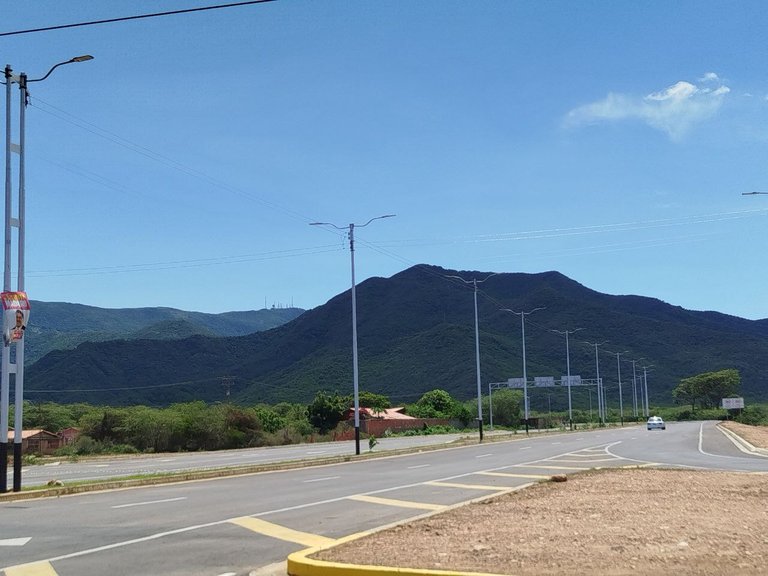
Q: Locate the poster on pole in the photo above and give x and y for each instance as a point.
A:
(15, 316)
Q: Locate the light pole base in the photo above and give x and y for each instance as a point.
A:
(17, 467)
(480, 427)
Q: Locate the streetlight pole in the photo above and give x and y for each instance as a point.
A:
(18, 222)
(568, 367)
(621, 398)
(601, 411)
(634, 387)
(525, 373)
(474, 283)
(645, 383)
(355, 374)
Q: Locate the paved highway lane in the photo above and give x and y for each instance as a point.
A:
(233, 525)
(690, 444)
(116, 467)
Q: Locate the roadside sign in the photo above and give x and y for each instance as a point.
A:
(544, 381)
(733, 403)
(575, 381)
(516, 383)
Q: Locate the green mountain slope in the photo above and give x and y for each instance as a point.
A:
(416, 333)
(62, 326)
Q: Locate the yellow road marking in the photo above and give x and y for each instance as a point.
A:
(469, 486)
(400, 503)
(551, 467)
(33, 569)
(281, 532)
(592, 459)
(510, 475)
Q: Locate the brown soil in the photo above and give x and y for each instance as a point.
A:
(607, 522)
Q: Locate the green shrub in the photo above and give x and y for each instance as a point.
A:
(754, 416)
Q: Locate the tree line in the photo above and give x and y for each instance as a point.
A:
(196, 425)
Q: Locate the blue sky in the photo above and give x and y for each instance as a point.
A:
(610, 141)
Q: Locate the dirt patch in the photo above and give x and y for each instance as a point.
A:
(608, 522)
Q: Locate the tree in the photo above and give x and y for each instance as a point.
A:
(47, 416)
(376, 402)
(708, 388)
(506, 407)
(326, 411)
(440, 404)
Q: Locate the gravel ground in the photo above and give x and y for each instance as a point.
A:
(607, 522)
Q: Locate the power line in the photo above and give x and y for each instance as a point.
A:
(137, 17)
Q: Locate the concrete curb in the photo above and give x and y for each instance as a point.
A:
(741, 443)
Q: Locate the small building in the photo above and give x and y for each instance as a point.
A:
(69, 435)
(37, 441)
(377, 422)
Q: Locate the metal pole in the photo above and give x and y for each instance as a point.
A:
(645, 380)
(602, 402)
(568, 366)
(634, 391)
(568, 371)
(355, 375)
(477, 357)
(525, 373)
(621, 400)
(6, 355)
(490, 406)
(18, 402)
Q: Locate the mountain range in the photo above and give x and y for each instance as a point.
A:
(62, 325)
(416, 332)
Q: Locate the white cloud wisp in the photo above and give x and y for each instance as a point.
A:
(674, 110)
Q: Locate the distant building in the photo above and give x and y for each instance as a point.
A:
(37, 441)
(376, 423)
(69, 435)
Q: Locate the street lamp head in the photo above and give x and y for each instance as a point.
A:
(83, 58)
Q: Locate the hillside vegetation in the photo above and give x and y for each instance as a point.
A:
(63, 326)
(415, 334)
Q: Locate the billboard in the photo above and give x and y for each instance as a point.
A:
(733, 403)
(15, 316)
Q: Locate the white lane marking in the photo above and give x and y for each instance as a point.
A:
(727, 433)
(168, 459)
(556, 443)
(15, 541)
(150, 502)
(313, 452)
(484, 455)
(205, 526)
(526, 448)
(100, 466)
(419, 466)
(52, 464)
(322, 479)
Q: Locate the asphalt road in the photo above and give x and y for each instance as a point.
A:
(122, 466)
(239, 524)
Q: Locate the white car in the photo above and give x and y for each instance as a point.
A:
(656, 423)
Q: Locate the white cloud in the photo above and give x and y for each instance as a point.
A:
(673, 110)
